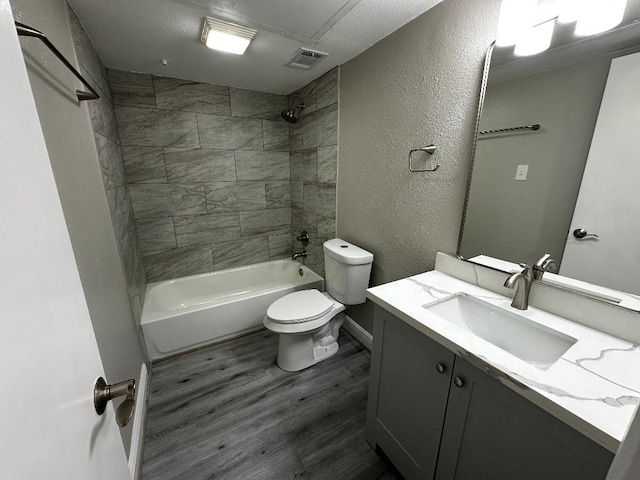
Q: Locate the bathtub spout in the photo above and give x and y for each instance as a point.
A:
(299, 254)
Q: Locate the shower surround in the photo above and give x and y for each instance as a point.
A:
(211, 176)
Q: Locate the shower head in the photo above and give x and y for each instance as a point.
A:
(290, 115)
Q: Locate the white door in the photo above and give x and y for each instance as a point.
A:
(48, 353)
(609, 199)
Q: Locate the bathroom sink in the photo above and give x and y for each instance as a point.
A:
(531, 342)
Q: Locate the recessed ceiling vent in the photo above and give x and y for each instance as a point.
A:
(306, 59)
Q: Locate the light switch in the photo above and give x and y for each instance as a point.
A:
(521, 172)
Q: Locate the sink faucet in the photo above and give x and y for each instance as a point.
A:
(545, 264)
(521, 281)
(299, 254)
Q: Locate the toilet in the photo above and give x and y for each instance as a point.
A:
(309, 321)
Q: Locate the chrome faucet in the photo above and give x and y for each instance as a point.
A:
(521, 281)
(545, 264)
(299, 254)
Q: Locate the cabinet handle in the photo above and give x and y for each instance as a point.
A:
(441, 367)
(458, 382)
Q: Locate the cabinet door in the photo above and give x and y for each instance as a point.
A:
(408, 391)
(493, 433)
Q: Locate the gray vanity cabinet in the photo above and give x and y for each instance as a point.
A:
(460, 423)
(408, 390)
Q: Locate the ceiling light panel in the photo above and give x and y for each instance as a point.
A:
(225, 36)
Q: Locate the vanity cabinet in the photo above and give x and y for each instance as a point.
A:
(436, 416)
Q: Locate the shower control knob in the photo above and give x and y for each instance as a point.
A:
(441, 367)
(458, 382)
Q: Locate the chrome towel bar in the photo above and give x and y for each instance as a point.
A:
(535, 126)
(27, 31)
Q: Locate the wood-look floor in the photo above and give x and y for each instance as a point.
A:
(228, 412)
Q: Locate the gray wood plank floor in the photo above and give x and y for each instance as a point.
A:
(228, 412)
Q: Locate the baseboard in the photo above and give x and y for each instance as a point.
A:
(139, 417)
(357, 332)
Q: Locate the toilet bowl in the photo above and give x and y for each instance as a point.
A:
(309, 321)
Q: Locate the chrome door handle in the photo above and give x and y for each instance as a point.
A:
(581, 233)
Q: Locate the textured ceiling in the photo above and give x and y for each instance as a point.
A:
(136, 35)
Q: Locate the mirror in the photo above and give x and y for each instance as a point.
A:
(573, 166)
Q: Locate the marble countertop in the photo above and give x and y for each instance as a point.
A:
(594, 387)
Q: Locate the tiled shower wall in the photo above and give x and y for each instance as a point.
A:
(208, 170)
(112, 167)
(314, 164)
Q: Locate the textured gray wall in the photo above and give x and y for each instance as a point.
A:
(519, 221)
(418, 86)
(314, 159)
(70, 141)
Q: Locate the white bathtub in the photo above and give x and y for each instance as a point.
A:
(189, 312)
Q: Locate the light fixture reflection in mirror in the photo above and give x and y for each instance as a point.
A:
(536, 40)
(597, 16)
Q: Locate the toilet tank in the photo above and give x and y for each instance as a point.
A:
(347, 269)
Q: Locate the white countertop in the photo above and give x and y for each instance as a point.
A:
(594, 387)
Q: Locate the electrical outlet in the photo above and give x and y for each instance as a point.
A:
(521, 172)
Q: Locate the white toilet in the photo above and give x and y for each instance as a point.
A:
(309, 321)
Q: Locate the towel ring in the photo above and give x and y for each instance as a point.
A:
(430, 149)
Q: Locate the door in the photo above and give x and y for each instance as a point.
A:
(608, 204)
(491, 432)
(48, 353)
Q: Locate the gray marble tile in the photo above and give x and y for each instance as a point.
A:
(156, 234)
(272, 222)
(111, 164)
(199, 165)
(144, 164)
(129, 79)
(262, 165)
(88, 58)
(235, 196)
(157, 128)
(237, 254)
(307, 95)
(278, 194)
(275, 134)
(303, 220)
(328, 164)
(119, 203)
(326, 229)
(279, 246)
(295, 137)
(327, 88)
(207, 229)
(103, 118)
(315, 258)
(320, 128)
(178, 262)
(131, 258)
(297, 194)
(133, 96)
(320, 198)
(165, 199)
(188, 96)
(304, 165)
(229, 133)
(251, 104)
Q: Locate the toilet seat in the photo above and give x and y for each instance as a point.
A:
(299, 307)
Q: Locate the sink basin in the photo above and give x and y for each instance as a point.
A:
(531, 342)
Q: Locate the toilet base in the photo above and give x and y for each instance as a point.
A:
(299, 351)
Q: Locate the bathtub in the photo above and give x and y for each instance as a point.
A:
(186, 313)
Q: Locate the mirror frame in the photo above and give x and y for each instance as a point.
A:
(474, 145)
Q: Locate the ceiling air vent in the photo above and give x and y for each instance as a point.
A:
(306, 59)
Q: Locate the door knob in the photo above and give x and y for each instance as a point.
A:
(581, 233)
(102, 393)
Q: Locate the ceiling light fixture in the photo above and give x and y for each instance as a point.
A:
(225, 36)
(597, 16)
(515, 17)
(537, 39)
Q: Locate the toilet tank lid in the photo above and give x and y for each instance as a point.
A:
(346, 252)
